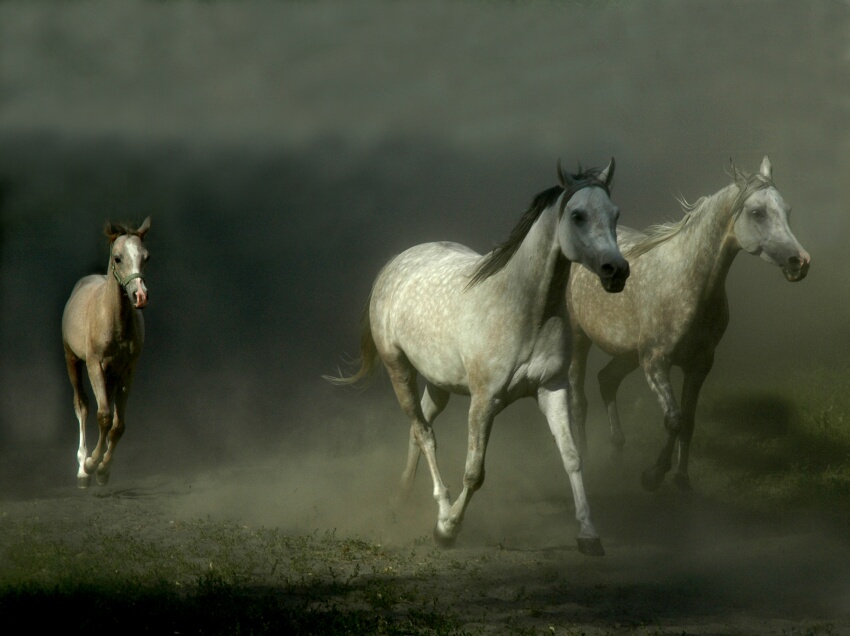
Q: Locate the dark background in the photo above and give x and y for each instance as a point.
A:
(286, 150)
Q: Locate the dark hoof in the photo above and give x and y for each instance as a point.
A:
(443, 540)
(651, 479)
(102, 478)
(590, 547)
(83, 482)
(683, 482)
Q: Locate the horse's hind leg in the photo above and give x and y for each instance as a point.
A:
(694, 377)
(403, 378)
(434, 400)
(81, 409)
(610, 378)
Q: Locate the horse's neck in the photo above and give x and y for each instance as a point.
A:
(706, 245)
(117, 304)
(537, 273)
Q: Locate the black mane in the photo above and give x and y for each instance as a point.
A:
(503, 252)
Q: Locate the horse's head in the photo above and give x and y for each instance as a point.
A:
(588, 227)
(127, 259)
(761, 226)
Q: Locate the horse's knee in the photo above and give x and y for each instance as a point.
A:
(673, 421)
(104, 417)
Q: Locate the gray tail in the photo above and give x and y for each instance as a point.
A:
(367, 361)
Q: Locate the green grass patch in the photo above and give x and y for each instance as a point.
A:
(204, 577)
(784, 448)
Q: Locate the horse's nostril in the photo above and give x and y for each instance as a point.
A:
(795, 262)
(608, 270)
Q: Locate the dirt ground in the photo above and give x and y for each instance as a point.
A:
(675, 563)
(285, 151)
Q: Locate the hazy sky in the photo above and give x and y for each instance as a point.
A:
(285, 150)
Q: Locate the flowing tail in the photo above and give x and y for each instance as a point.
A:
(368, 359)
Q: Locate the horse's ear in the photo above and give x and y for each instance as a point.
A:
(112, 231)
(607, 175)
(737, 176)
(144, 227)
(766, 170)
(563, 178)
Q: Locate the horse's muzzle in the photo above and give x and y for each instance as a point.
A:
(140, 297)
(796, 267)
(613, 277)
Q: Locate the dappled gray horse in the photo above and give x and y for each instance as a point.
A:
(675, 310)
(493, 327)
(103, 329)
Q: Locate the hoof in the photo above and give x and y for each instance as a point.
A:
(443, 540)
(651, 479)
(590, 546)
(102, 478)
(683, 482)
(83, 482)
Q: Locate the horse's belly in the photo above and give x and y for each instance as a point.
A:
(444, 369)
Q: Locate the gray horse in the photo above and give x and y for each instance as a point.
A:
(103, 329)
(493, 327)
(675, 310)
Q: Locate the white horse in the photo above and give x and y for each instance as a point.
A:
(103, 329)
(675, 309)
(493, 327)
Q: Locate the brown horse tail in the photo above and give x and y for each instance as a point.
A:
(368, 359)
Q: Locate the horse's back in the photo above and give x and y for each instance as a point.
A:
(427, 269)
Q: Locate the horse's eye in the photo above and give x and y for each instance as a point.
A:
(578, 217)
(117, 259)
(758, 213)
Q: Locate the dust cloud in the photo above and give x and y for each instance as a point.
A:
(286, 150)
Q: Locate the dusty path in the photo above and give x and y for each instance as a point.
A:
(675, 564)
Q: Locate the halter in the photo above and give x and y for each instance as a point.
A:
(127, 280)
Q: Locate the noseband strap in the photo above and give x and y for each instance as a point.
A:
(127, 280)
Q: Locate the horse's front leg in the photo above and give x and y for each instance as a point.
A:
(104, 415)
(656, 367)
(694, 377)
(116, 431)
(553, 400)
(482, 411)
